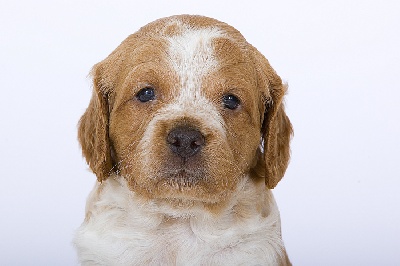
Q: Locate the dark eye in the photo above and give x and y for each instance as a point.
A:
(230, 101)
(146, 94)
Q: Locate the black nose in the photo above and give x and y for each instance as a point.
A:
(185, 142)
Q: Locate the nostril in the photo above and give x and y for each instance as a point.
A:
(198, 142)
(172, 140)
(185, 141)
(194, 145)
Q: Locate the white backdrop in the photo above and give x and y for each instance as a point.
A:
(339, 200)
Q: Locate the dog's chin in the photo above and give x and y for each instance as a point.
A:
(182, 179)
(182, 185)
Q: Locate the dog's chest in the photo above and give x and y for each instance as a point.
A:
(173, 243)
(120, 230)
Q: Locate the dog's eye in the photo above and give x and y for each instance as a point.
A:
(230, 101)
(146, 94)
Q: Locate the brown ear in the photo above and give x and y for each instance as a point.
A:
(93, 131)
(277, 129)
(277, 134)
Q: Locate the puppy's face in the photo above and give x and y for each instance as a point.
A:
(179, 110)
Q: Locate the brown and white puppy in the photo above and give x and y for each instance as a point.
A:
(186, 133)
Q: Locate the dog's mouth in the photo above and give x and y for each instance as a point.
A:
(183, 178)
(186, 184)
(183, 171)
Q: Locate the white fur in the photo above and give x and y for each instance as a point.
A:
(192, 57)
(124, 230)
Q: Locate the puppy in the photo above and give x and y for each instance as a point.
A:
(186, 133)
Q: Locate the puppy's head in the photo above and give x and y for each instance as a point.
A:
(180, 109)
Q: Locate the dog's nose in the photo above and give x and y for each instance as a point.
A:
(185, 142)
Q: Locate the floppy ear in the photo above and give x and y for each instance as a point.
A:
(93, 131)
(276, 127)
(276, 135)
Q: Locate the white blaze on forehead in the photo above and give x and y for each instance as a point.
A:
(192, 57)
